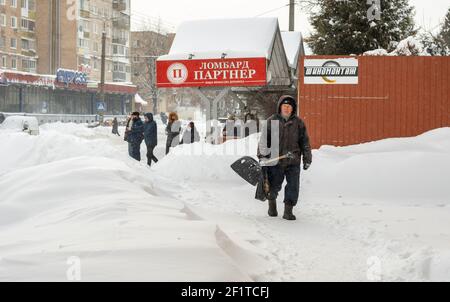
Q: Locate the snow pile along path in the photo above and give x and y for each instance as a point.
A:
(72, 193)
(372, 212)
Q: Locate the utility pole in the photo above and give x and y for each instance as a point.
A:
(103, 69)
(291, 15)
(152, 76)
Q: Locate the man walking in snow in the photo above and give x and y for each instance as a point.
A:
(151, 137)
(294, 143)
(135, 136)
(115, 126)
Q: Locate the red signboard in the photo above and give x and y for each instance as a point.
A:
(213, 72)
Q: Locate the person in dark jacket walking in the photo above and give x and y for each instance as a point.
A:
(173, 131)
(115, 127)
(135, 136)
(150, 137)
(293, 141)
(190, 135)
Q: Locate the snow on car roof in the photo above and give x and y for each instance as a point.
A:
(292, 41)
(209, 39)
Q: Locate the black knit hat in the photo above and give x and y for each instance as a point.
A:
(287, 100)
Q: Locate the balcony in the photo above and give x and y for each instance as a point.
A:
(122, 22)
(27, 34)
(28, 52)
(119, 5)
(121, 41)
(119, 76)
(85, 14)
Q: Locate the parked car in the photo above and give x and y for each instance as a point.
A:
(25, 124)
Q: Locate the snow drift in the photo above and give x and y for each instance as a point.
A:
(378, 211)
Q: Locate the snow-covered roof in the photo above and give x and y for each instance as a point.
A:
(209, 39)
(293, 43)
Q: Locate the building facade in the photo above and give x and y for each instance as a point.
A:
(50, 56)
(146, 46)
(18, 49)
(46, 35)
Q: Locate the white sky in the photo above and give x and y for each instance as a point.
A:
(429, 13)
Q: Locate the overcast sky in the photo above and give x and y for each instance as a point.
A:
(429, 13)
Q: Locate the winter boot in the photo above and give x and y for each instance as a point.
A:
(273, 208)
(288, 215)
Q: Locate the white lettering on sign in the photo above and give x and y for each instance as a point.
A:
(225, 71)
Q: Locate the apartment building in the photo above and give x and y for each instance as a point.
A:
(43, 36)
(17, 35)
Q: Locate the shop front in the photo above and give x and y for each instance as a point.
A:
(65, 93)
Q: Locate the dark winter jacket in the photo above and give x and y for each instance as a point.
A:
(150, 131)
(293, 137)
(136, 134)
(115, 126)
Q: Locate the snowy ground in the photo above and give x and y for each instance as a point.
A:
(373, 212)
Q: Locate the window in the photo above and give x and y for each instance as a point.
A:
(2, 2)
(13, 3)
(2, 42)
(28, 65)
(31, 5)
(28, 44)
(4, 62)
(14, 63)
(13, 43)
(83, 43)
(28, 25)
(14, 22)
(3, 20)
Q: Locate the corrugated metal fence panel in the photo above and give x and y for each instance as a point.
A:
(395, 97)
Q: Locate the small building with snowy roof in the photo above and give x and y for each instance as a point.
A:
(247, 56)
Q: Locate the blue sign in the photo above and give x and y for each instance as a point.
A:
(101, 106)
(71, 77)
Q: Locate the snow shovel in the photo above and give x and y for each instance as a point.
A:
(251, 170)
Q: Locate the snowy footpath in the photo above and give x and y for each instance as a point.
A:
(372, 212)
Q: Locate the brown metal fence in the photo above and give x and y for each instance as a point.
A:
(395, 97)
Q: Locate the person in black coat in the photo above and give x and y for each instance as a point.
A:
(115, 127)
(190, 135)
(150, 137)
(293, 141)
(135, 136)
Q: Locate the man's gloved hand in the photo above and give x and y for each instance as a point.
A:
(306, 166)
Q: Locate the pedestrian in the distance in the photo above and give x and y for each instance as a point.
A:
(150, 137)
(135, 136)
(115, 127)
(173, 131)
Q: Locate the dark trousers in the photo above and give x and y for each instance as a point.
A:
(150, 155)
(134, 150)
(276, 175)
(172, 141)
